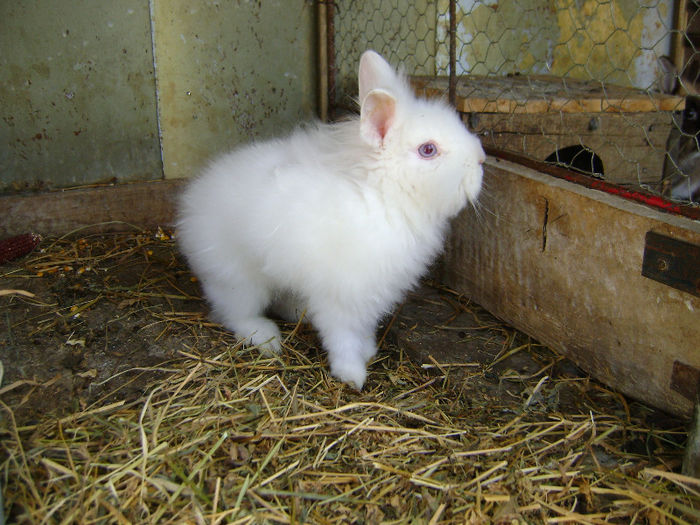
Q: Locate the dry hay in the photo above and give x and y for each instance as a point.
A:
(222, 435)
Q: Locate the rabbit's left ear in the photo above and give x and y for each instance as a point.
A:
(377, 116)
(375, 73)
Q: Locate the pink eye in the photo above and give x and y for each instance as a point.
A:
(427, 150)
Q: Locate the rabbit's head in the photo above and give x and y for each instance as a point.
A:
(422, 145)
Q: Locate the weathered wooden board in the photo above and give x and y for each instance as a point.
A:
(544, 94)
(632, 146)
(563, 263)
(101, 208)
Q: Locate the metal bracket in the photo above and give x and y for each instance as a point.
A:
(672, 262)
(685, 380)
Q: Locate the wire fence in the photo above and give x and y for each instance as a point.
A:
(603, 87)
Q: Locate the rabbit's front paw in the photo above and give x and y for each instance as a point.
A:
(264, 334)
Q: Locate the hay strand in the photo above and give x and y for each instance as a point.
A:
(219, 434)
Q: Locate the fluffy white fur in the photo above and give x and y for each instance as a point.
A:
(336, 220)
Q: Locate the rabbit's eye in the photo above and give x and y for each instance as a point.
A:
(427, 150)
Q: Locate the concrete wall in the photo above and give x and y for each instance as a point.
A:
(230, 72)
(81, 100)
(78, 98)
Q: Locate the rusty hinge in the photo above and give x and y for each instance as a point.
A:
(672, 262)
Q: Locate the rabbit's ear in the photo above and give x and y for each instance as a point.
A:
(377, 116)
(375, 73)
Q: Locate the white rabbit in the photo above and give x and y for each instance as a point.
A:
(337, 221)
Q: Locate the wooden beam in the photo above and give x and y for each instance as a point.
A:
(102, 208)
(563, 263)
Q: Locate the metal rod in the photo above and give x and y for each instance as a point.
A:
(452, 86)
(637, 195)
(330, 41)
(680, 23)
(322, 61)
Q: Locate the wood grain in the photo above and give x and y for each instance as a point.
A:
(103, 208)
(544, 94)
(563, 264)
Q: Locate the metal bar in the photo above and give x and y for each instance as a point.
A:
(322, 60)
(650, 199)
(452, 87)
(680, 22)
(672, 262)
(330, 41)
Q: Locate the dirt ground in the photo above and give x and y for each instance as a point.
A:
(92, 319)
(109, 361)
(85, 321)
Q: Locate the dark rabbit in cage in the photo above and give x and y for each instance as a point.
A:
(681, 177)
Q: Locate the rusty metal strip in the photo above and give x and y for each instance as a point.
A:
(452, 84)
(641, 196)
(672, 262)
(685, 380)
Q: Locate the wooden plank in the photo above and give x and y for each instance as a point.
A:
(632, 146)
(652, 200)
(652, 126)
(625, 162)
(563, 263)
(544, 94)
(103, 208)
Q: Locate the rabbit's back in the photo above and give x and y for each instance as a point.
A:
(292, 211)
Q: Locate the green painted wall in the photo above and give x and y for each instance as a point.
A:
(79, 101)
(77, 97)
(230, 72)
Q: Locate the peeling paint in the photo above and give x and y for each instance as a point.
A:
(617, 41)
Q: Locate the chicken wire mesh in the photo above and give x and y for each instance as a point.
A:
(603, 87)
